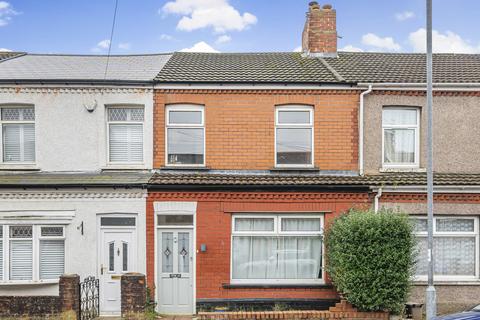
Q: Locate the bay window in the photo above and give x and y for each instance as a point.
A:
(185, 134)
(18, 134)
(31, 253)
(294, 136)
(400, 136)
(277, 248)
(455, 247)
(125, 134)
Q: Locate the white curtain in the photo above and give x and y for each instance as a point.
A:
(19, 142)
(126, 142)
(399, 146)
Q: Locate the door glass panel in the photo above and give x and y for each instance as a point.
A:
(183, 252)
(167, 252)
(125, 256)
(111, 256)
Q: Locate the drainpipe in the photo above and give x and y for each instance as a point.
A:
(360, 129)
(377, 199)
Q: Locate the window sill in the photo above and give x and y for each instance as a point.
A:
(276, 286)
(402, 169)
(124, 167)
(294, 169)
(28, 282)
(18, 167)
(190, 168)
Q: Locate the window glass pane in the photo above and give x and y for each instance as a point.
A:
(125, 114)
(20, 231)
(294, 117)
(420, 225)
(455, 225)
(175, 220)
(117, 221)
(399, 146)
(185, 117)
(294, 146)
(167, 252)
(301, 224)
(111, 256)
(125, 256)
(21, 259)
(185, 146)
(18, 142)
(52, 231)
(126, 143)
(276, 257)
(453, 256)
(18, 114)
(183, 252)
(254, 224)
(399, 116)
(52, 259)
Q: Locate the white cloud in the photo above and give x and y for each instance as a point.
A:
(405, 15)
(124, 45)
(101, 46)
(387, 43)
(6, 13)
(298, 49)
(223, 39)
(350, 48)
(5, 50)
(218, 14)
(448, 42)
(201, 46)
(164, 36)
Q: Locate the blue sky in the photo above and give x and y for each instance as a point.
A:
(146, 26)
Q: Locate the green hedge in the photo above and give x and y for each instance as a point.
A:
(370, 258)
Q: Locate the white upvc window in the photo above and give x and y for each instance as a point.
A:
(277, 249)
(401, 137)
(125, 134)
(18, 134)
(185, 135)
(294, 136)
(31, 253)
(455, 248)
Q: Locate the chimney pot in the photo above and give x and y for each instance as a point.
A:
(327, 6)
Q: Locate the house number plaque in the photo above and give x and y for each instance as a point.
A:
(175, 275)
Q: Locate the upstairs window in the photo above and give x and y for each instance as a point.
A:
(125, 134)
(18, 134)
(294, 136)
(400, 137)
(185, 136)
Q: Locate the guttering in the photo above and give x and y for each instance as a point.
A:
(360, 129)
(255, 86)
(472, 86)
(423, 189)
(377, 199)
(74, 82)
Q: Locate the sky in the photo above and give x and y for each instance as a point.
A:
(152, 26)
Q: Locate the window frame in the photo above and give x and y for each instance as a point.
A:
(108, 123)
(168, 125)
(3, 122)
(438, 234)
(310, 126)
(36, 238)
(416, 128)
(277, 232)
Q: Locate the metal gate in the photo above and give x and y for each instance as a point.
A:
(89, 298)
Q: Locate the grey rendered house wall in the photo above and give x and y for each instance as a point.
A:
(456, 131)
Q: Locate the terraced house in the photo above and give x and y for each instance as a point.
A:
(216, 174)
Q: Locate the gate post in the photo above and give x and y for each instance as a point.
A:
(69, 292)
(133, 291)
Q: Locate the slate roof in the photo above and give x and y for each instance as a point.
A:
(279, 180)
(58, 67)
(40, 179)
(291, 67)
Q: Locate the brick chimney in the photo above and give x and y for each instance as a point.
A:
(319, 37)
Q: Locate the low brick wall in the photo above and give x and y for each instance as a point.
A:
(65, 304)
(133, 292)
(342, 310)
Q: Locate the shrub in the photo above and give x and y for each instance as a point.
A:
(370, 258)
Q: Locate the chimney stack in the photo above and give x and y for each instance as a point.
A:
(319, 37)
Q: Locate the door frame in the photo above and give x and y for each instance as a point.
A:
(99, 241)
(176, 208)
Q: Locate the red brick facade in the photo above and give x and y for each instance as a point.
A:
(239, 126)
(213, 228)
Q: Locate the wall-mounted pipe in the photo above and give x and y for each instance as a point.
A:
(377, 199)
(360, 129)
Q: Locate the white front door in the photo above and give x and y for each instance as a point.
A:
(175, 280)
(117, 256)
